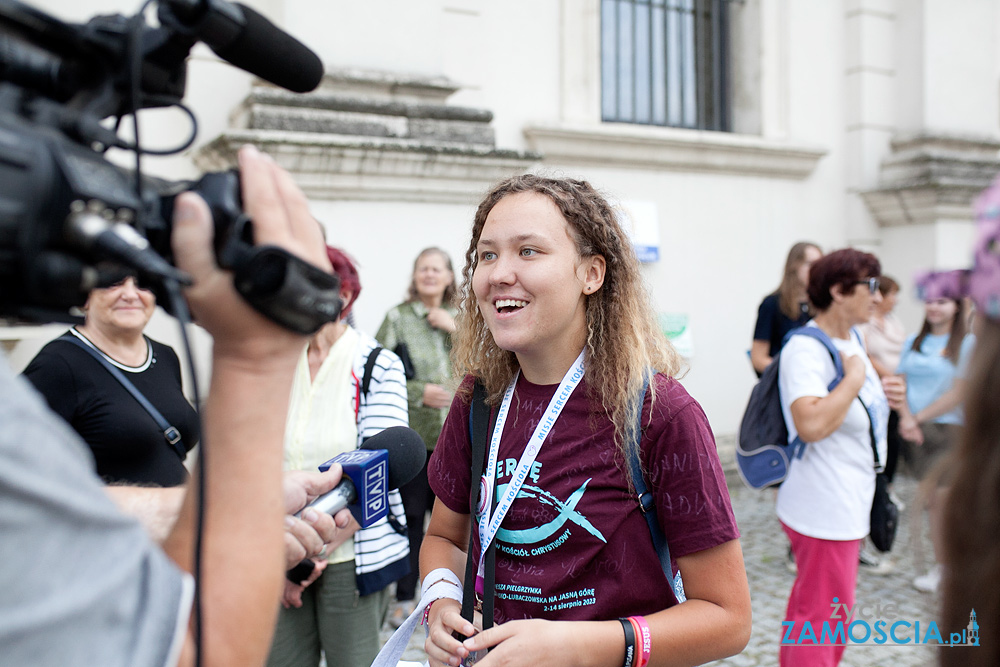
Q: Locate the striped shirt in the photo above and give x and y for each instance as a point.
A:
(381, 553)
(318, 430)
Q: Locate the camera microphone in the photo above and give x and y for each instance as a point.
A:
(387, 460)
(246, 39)
(120, 242)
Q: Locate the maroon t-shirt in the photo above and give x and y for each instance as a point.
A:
(575, 545)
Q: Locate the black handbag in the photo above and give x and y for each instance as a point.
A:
(884, 515)
(404, 355)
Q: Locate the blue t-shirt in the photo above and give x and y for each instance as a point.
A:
(930, 374)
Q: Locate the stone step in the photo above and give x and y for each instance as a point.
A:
(364, 104)
(427, 129)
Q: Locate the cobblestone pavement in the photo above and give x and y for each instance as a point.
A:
(764, 551)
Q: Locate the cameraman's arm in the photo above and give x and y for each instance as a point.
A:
(253, 362)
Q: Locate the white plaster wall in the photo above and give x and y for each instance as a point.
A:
(947, 64)
(724, 236)
(961, 60)
(385, 239)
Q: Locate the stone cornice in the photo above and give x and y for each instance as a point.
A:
(337, 167)
(673, 148)
(932, 177)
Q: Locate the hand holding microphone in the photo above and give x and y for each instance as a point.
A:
(312, 533)
(385, 461)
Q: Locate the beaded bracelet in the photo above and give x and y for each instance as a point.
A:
(629, 641)
(427, 612)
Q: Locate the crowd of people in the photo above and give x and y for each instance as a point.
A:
(550, 405)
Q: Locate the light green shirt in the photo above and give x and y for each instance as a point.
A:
(429, 351)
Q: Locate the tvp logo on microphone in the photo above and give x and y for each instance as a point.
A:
(368, 469)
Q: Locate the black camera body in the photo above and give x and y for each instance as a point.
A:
(70, 220)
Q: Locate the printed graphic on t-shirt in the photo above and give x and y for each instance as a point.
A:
(547, 535)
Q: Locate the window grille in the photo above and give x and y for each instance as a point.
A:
(664, 62)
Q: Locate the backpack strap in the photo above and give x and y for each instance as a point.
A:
(838, 364)
(481, 422)
(820, 335)
(647, 503)
(170, 433)
(366, 379)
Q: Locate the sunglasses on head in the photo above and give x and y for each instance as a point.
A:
(872, 283)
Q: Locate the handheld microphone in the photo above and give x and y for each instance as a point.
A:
(387, 460)
(244, 38)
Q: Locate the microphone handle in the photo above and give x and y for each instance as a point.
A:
(300, 572)
(331, 502)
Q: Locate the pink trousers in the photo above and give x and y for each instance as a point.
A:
(827, 569)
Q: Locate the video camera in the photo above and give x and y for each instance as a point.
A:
(70, 220)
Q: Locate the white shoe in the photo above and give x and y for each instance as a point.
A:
(900, 505)
(928, 583)
(869, 562)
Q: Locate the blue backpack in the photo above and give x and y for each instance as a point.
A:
(763, 452)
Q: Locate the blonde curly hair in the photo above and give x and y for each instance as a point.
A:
(623, 339)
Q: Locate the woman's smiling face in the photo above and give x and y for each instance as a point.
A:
(530, 281)
(123, 307)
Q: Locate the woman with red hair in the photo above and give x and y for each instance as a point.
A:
(342, 607)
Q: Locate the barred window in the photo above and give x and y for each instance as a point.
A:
(664, 62)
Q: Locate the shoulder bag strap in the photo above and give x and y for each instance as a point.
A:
(170, 433)
(874, 440)
(648, 505)
(871, 422)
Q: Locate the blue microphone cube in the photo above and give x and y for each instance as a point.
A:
(368, 470)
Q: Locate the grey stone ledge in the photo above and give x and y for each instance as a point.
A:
(390, 82)
(948, 142)
(647, 147)
(387, 144)
(336, 168)
(344, 102)
(449, 132)
(932, 176)
(920, 205)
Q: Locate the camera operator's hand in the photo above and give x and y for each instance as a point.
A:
(280, 215)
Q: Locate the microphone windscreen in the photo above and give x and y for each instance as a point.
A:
(272, 54)
(407, 452)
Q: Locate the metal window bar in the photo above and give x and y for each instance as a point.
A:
(664, 62)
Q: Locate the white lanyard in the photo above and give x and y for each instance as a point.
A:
(490, 524)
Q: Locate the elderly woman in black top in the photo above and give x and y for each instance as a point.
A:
(128, 444)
